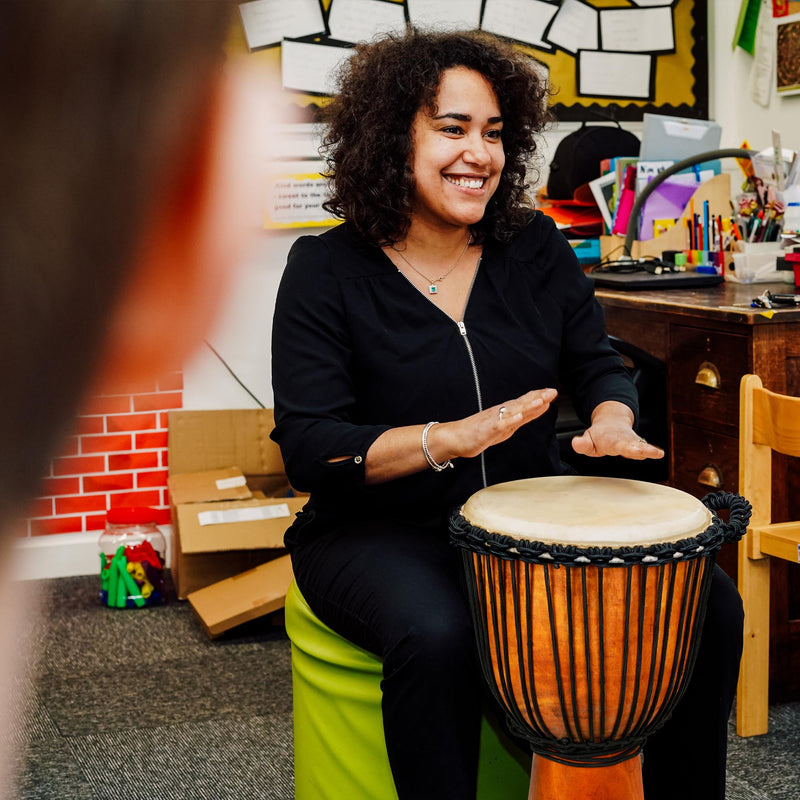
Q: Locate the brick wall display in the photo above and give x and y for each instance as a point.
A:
(116, 457)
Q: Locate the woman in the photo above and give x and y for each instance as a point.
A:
(415, 351)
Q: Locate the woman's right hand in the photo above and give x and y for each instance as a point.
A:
(398, 451)
(470, 436)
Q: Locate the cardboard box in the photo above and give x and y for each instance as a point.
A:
(243, 597)
(213, 484)
(229, 505)
(236, 525)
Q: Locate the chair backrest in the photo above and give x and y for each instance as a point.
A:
(776, 421)
(767, 422)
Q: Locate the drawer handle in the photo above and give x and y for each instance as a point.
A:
(710, 476)
(708, 376)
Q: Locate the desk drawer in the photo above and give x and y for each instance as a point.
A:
(704, 458)
(705, 367)
(701, 457)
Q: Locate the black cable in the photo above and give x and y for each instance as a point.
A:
(610, 263)
(235, 376)
(627, 266)
(709, 155)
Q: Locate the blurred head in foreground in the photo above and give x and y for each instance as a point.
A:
(127, 155)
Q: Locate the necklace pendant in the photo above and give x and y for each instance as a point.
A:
(433, 289)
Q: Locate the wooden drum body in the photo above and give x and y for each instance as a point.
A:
(588, 596)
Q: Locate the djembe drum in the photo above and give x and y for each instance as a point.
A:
(588, 597)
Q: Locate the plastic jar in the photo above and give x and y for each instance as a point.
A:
(791, 218)
(132, 556)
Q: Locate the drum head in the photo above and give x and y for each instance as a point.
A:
(587, 511)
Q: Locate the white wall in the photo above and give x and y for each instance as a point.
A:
(732, 74)
(242, 335)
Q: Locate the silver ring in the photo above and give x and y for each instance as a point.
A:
(502, 411)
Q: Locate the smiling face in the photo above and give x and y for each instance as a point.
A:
(458, 151)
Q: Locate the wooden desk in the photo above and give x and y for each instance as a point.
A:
(709, 338)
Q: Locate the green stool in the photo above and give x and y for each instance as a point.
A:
(339, 747)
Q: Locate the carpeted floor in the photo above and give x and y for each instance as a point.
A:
(141, 705)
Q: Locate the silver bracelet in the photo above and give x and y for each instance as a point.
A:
(428, 457)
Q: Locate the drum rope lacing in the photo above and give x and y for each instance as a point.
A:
(465, 535)
(648, 700)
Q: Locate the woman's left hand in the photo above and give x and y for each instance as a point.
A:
(612, 434)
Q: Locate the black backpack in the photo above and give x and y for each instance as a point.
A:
(578, 156)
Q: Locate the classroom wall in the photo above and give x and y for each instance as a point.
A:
(731, 80)
(72, 516)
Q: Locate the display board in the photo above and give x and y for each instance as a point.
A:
(606, 59)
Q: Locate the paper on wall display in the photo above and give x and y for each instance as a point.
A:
(524, 21)
(363, 20)
(604, 74)
(764, 66)
(311, 67)
(786, 47)
(637, 30)
(652, 3)
(267, 22)
(445, 14)
(746, 25)
(575, 27)
(296, 201)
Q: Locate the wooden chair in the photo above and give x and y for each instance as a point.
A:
(767, 422)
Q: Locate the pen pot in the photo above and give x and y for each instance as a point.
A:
(132, 557)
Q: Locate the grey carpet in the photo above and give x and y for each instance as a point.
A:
(141, 705)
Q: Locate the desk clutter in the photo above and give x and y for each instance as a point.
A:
(689, 220)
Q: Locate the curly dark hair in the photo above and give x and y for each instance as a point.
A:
(368, 144)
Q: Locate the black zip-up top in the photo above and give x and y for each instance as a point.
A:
(357, 349)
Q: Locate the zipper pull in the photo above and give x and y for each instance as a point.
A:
(462, 328)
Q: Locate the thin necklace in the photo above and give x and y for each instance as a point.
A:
(432, 287)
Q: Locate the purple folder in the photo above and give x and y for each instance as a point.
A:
(666, 202)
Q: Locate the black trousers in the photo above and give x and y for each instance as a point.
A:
(397, 592)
